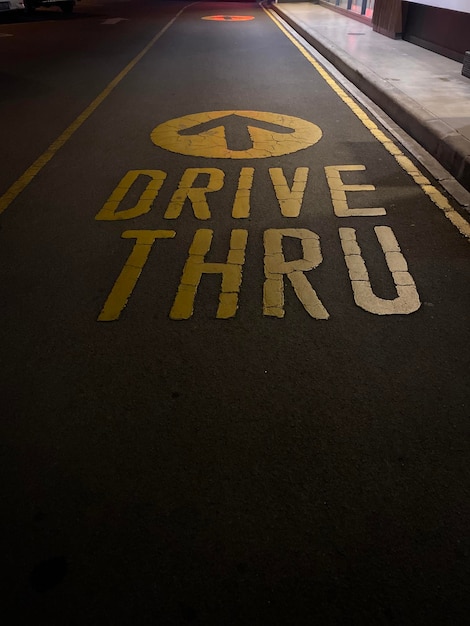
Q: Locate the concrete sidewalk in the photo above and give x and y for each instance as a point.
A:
(424, 92)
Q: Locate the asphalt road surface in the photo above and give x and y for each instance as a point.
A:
(234, 334)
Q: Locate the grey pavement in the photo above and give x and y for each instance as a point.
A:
(424, 92)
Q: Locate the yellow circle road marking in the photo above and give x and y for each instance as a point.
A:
(236, 134)
(228, 18)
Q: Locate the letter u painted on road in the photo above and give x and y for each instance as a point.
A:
(407, 300)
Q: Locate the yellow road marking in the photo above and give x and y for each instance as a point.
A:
(434, 194)
(23, 181)
(196, 266)
(144, 204)
(228, 18)
(338, 189)
(212, 142)
(290, 199)
(407, 300)
(241, 204)
(127, 279)
(276, 267)
(197, 195)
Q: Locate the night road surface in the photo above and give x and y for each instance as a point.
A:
(234, 330)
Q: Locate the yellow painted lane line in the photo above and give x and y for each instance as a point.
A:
(405, 163)
(23, 181)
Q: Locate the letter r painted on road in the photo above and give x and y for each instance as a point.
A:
(197, 195)
(276, 267)
(196, 266)
(144, 203)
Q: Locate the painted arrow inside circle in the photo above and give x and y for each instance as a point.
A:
(236, 129)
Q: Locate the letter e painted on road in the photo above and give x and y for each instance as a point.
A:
(338, 189)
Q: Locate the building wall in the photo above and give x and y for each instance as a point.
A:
(439, 25)
(440, 29)
(453, 5)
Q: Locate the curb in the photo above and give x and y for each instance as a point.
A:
(450, 148)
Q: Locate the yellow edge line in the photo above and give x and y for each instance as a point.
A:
(405, 163)
(23, 181)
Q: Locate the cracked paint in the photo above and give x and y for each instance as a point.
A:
(110, 212)
(407, 300)
(213, 143)
(196, 195)
(338, 189)
(241, 204)
(196, 266)
(276, 267)
(127, 279)
(290, 198)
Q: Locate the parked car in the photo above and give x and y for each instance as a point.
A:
(11, 5)
(31, 5)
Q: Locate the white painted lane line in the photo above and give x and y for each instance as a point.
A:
(115, 20)
(6, 35)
